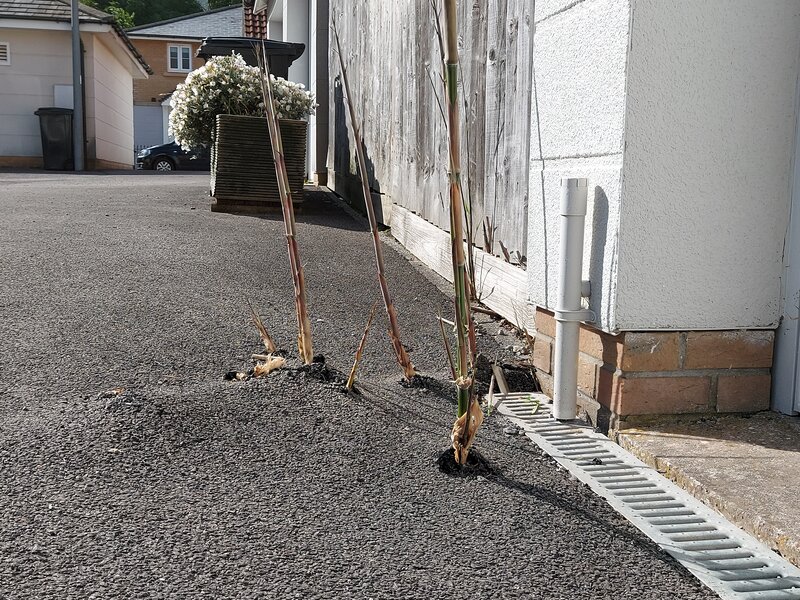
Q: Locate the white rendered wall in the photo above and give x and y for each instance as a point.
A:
(296, 28)
(709, 136)
(109, 102)
(39, 60)
(275, 30)
(681, 115)
(578, 119)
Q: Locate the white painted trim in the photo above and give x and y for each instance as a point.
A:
(176, 39)
(52, 25)
(7, 61)
(117, 41)
(501, 286)
(180, 47)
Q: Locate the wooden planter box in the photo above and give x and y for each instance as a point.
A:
(243, 178)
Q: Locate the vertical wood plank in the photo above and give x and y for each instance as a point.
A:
(508, 98)
(392, 54)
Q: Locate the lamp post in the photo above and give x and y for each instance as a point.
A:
(77, 91)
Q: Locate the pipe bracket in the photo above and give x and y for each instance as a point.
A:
(574, 316)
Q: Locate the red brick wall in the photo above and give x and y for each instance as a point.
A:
(656, 373)
(162, 81)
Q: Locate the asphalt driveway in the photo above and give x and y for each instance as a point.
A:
(189, 486)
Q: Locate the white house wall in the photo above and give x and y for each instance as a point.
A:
(577, 121)
(709, 132)
(110, 92)
(39, 60)
(681, 115)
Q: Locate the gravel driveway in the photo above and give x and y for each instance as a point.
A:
(189, 486)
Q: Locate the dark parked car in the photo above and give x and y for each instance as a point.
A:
(171, 157)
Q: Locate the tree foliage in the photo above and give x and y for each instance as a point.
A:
(123, 17)
(142, 12)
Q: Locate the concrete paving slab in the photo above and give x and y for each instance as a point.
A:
(747, 468)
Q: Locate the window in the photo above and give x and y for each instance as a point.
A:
(5, 53)
(180, 58)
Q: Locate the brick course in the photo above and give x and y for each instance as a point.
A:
(162, 81)
(542, 354)
(729, 349)
(656, 373)
(743, 393)
(645, 351)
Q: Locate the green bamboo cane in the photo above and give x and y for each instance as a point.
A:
(304, 341)
(464, 381)
(465, 203)
(394, 327)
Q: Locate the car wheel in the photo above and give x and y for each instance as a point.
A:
(163, 164)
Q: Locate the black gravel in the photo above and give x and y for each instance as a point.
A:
(188, 486)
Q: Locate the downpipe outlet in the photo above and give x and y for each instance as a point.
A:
(568, 312)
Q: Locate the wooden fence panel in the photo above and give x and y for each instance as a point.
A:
(395, 68)
(508, 106)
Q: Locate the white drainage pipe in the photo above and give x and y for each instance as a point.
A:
(569, 312)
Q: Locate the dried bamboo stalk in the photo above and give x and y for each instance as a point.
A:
(394, 328)
(360, 350)
(304, 341)
(464, 382)
(262, 330)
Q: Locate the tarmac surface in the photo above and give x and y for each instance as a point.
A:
(185, 485)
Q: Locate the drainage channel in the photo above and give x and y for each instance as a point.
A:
(729, 561)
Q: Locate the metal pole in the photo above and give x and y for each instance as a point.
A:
(77, 91)
(569, 312)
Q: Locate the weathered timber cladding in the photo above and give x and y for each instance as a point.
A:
(508, 122)
(395, 68)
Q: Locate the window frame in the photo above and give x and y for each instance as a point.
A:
(179, 51)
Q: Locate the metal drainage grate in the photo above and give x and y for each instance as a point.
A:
(729, 561)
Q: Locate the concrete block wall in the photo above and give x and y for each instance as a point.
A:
(681, 114)
(578, 121)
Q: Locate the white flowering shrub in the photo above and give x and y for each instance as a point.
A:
(227, 85)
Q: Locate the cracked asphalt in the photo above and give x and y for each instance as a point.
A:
(188, 486)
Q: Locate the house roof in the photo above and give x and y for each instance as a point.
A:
(61, 11)
(50, 10)
(220, 22)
